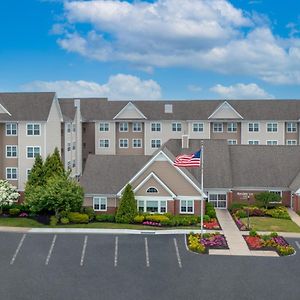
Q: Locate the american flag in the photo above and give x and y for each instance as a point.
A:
(188, 160)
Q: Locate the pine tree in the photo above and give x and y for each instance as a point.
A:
(127, 209)
(53, 165)
(36, 176)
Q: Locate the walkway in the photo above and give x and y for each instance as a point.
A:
(235, 240)
(294, 216)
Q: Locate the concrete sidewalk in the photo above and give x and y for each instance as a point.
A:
(236, 243)
(294, 216)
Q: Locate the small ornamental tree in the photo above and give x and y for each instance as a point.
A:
(267, 198)
(59, 194)
(127, 209)
(53, 165)
(8, 193)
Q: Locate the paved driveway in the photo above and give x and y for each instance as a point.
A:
(76, 266)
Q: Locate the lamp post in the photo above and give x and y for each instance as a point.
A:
(248, 216)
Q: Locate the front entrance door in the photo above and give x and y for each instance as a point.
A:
(219, 200)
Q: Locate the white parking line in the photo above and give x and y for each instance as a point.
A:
(18, 249)
(147, 253)
(83, 250)
(177, 253)
(298, 245)
(116, 252)
(50, 250)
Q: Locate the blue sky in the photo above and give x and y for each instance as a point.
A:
(169, 49)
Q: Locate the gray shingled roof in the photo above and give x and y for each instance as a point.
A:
(264, 166)
(102, 109)
(216, 161)
(26, 106)
(107, 174)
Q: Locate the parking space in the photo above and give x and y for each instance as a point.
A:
(78, 266)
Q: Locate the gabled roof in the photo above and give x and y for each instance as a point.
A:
(26, 106)
(228, 112)
(132, 112)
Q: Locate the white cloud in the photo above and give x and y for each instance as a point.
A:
(241, 91)
(118, 87)
(206, 34)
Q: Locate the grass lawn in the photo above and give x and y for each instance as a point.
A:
(272, 224)
(26, 222)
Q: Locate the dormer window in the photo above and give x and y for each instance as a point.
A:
(152, 190)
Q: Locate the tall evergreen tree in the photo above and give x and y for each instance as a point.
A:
(36, 176)
(127, 209)
(53, 165)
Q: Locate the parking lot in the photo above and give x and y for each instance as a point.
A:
(94, 266)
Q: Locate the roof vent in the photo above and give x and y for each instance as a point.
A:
(77, 103)
(168, 108)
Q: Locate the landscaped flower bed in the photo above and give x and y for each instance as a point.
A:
(201, 244)
(269, 242)
(241, 211)
(213, 224)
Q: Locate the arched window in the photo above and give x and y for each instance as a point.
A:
(152, 190)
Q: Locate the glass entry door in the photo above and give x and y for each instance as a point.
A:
(218, 200)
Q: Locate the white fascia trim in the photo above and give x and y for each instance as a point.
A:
(5, 110)
(100, 195)
(158, 180)
(129, 104)
(220, 106)
(260, 189)
(153, 198)
(171, 162)
(190, 198)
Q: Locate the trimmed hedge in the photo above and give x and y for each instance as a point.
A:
(76, 217)
(105, 218)
(14, 212)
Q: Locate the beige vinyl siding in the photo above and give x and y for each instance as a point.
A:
(109, 135)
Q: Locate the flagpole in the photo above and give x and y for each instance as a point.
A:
(202, 186)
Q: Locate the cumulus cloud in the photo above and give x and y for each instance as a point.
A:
(241, 91)
(118, 87)
(209, 35)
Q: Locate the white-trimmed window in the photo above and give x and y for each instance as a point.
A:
(176, 126)
(218, 200)
(218, 127)
(152, 206)
(100, 203)
(11, 173)
(123, 143)
(155, 127)
(33, 151)
(253, 127)
(68, 146)
(187, 206)
(33, 129)
(291, 142)
(291, 127)
(28, 171)
(69, 127)
(104, 143)
(11, 151)
(136, 143)
(74, 163)
(272, 142)
(123, 126)
(74, 146)
(253, 142)
(11, 129)
(74, 127)
(272, 127)
(232, 142)
(156, 143)
(198, 127)
(279, 193)
(136, 126)
(103, 126)
(232, 127)
(152, 190)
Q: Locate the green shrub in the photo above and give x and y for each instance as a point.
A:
(64, 221)
(139, 219)
(14, 212)
(210, 210)
(241, 213)
(63, 214)
(53, 221)
(206, 218)
(236, 206)
(76, 217)
(267, 198)
(278, 213)
(273, 234)
(90, 212)
(105, 218)
(285, 250)
(253, 233)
